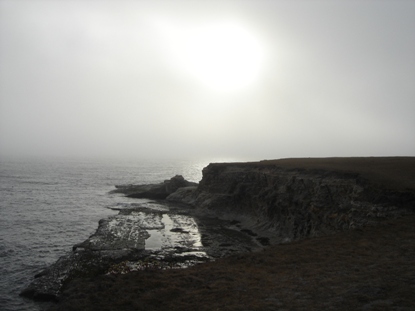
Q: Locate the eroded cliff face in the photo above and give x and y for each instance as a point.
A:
(296, 203)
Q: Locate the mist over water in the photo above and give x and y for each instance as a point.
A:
(47, 206)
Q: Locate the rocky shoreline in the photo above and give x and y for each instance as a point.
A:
(237, 208)
(158, 234)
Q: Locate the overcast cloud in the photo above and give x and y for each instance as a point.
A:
(244, 79)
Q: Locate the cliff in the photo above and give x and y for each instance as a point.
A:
(295, 198)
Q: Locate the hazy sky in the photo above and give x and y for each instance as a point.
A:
(245, 79)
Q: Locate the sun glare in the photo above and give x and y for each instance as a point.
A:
(223, 56)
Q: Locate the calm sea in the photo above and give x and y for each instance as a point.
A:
(47, 206)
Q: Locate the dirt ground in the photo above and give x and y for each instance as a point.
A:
(364, 269)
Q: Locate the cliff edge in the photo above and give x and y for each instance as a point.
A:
(290, 199)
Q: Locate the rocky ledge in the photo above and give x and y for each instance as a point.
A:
(154, 191)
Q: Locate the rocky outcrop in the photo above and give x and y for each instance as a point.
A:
(48, 284)
(117, 238)
(135, 234)
(154, 191)
(292, 204)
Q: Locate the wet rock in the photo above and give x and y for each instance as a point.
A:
(48, 284)
(181, 230)
(134, 235)
(117, 238)
(154, 191)
(140, 238)
(122, 232)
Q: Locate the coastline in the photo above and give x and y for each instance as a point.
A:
(226, 186)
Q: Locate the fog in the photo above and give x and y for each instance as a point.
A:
(184, 79)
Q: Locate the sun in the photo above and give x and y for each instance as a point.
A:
(223, 56)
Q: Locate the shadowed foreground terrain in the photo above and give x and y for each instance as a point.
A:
(370, 268)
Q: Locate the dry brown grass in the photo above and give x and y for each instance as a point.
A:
(391, 172)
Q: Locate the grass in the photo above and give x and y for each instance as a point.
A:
(391, 172)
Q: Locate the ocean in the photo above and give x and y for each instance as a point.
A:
(48, 205)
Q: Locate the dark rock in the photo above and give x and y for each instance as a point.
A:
(248, 231)
(180, 230)
(290, 204)
(264, 241)
(118, 239)
(183, 195)
(48, 284)
(154, 191)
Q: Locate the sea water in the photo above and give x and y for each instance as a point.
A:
(48, 205)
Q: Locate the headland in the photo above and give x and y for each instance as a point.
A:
(289, 234)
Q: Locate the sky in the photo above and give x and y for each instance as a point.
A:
(185, 79)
